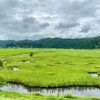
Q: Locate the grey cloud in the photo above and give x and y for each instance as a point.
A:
(29, 20)
(11, 3)
(24, 18)
(29, 23)
(86, 28)
(43, 25)
(79, 7)
(66, 25)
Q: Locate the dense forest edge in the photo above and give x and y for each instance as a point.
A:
(83, 43)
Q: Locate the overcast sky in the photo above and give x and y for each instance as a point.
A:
(36, 19)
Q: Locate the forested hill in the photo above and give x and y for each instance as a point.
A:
(83, 43)
(4, 42)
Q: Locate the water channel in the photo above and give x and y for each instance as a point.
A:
(75, 90)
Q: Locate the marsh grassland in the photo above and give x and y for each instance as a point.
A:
(50, 68)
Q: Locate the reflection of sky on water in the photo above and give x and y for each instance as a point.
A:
(80, 91)
(93, 74)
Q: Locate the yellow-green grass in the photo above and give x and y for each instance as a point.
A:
(51, 67)
(38, 96)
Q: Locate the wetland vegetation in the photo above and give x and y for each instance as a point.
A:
(50, 68)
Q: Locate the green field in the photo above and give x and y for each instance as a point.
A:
(38, 96)
(50, 68)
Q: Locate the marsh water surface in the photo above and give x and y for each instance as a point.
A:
(75, 90)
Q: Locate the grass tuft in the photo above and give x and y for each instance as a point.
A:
(70, 96)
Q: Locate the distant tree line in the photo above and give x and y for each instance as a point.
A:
(83, 43)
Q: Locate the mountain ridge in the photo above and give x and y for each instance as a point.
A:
(77, 43)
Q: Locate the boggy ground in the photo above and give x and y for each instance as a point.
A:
(51, 67)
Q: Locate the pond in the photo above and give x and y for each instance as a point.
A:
(75, 90)
(93, 74)
(15, 68)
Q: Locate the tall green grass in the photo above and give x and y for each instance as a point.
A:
(51, 68)
(38, 96)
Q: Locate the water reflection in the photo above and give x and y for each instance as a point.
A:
(94, 74)
(15, 68)
(80, 91)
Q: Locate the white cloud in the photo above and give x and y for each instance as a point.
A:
(36, 19)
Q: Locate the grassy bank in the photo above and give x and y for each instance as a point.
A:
(50, 68)
(38, 96)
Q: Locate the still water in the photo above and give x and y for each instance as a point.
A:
(75, 90)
